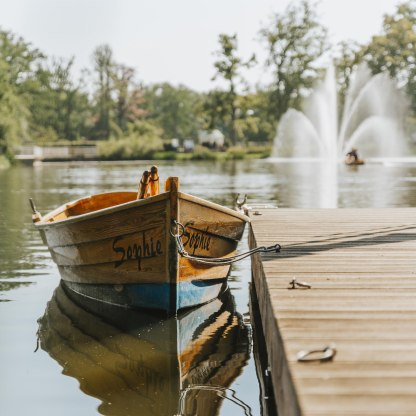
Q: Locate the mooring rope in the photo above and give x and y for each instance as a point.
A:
(220, 391)
(218, 261)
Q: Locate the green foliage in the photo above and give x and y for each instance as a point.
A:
(166, 155)
(347, 58)
(41, 102)
(103, 67)
(4, 162)
(17, 65)
(295, 40)
(142, 141)
(226, 106)
(60, 109)
(21, 58)
(394, 50)
(236, 153)
(203, 153)
(129, 100)
(256, 124)
(252, 117)
(174, 109)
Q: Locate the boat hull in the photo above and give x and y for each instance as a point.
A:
(159, 296)
(121, 250)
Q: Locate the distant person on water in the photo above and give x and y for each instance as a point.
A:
(351, 157)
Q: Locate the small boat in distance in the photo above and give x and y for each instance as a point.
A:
(352, 158)
(145, 249)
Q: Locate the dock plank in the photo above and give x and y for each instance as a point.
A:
(361, 265)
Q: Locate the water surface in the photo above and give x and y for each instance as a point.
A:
(61, 357)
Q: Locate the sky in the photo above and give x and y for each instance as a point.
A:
(173, 40)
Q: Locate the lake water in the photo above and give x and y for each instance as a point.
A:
(58, 356)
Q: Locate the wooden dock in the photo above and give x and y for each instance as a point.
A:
(361, 266)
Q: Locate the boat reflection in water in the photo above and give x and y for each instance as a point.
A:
(138, 363)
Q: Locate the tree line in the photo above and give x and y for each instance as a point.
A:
(41, 101)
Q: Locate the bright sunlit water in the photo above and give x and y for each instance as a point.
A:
(85, 364)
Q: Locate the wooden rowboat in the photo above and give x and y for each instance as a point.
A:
(164, 251)
(136, 363)
(356, 162)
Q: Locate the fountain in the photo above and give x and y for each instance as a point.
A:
(371, 120)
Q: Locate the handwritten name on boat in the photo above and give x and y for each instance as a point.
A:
(194, 240)
(143, 248)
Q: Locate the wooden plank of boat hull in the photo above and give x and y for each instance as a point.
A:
(209, 233)
(141, 245)
(361, 266)
(95, 262)
(211, 221)
(105, 274)
(198, 242)
(190, 270)
(153, 271)
(106, 226)
(134, 258)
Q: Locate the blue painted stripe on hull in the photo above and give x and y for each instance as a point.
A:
(153, 295)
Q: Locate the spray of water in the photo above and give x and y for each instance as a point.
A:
(371, 120)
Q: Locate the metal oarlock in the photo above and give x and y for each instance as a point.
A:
(239, 204)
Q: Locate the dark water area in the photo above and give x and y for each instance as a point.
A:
(62, 355)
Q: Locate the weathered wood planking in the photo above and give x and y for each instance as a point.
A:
(94, 238)
(120, 247)
(361, 264)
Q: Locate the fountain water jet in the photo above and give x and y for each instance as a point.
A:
(372, 120)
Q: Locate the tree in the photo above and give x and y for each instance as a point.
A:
(60, 109)
(258, 125)
(174, 109)
(18, 63)
(295, 40)
(13, 114)
(128, 96)
(21, 58)
(214, 110)
(228, 68)
(104, 69)
(347, 58)
(252, 123)
(394, 50)
(141, 141)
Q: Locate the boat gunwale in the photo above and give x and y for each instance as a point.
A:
(213, 205)
(98, 213)
(46, 223)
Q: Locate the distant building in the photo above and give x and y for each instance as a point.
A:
(57, 152)
(172, 145)
(188, 145)
(213, 139)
